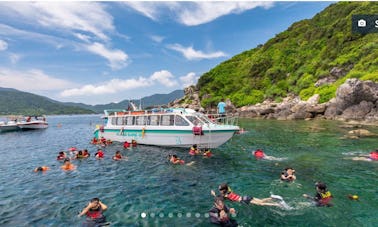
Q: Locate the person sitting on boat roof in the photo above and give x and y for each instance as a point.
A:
(175, 160)
(99, 154)
(288, 174)
(41, 169)
(194, 150)
(322, 197)
(227, 193)
(68, 166)
(61, 156)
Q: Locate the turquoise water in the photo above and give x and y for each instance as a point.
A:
(180, 195)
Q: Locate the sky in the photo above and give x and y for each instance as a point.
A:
(103, 52)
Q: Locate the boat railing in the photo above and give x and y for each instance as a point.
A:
(224, 119)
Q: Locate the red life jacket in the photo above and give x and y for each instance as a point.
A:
(94, 214)
(259, 154)
(326, 198)
(233, 197)
(374, 155)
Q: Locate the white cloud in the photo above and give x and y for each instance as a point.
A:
(157, 39)
(117, 58)
(31, 80)
(192, 54)
(3, 45)
(195, 13)
(164, 77)
(204, 12)
(88, 17)
(189, 79)
(117, 85)
(111, 87)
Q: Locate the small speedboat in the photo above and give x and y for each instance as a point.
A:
(33, 123)
(8, 126)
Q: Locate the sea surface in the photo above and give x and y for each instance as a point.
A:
(146, 190)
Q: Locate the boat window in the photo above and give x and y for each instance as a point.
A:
(140, 120)
(154, 120)
(167, 120)
(114, 121)
(180, 121)
(120, 120)
(130, 120)
(193, 119)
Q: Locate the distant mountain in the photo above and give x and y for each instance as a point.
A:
(146, 102)
(17, 102)
(13, 101)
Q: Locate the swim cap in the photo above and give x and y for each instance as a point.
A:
(258, 153)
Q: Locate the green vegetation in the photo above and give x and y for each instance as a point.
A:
(23, 103)
(294, 60)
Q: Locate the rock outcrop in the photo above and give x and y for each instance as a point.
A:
(355, 100)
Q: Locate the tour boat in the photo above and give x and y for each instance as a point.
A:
(33, 123)
(8, 126)
(172, 127)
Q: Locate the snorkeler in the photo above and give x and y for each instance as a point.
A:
(61, 156)
(259, 154)
(227, 193)
(373, 156)
(322, 197)
(99, 154)
(288, 174)
(118, 156)
(94, 212)
(41, 169)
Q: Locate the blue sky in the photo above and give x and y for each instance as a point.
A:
(102, 52)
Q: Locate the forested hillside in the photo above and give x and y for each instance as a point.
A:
(312, 56)
(17, 102)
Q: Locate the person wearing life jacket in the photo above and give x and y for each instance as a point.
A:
(99, 154)
(94, 140)
(322, 197)
(207, 153)
(219, 213)
(86, 153)
(374, 155)
(288, 174)
(117, 156)
(259, 154)
(194, 150)
(68, 166)
(134, 143)
(61, 156)
(79, 155)
(227, 193)
(41, 169)
(175, 160)
(126, 145)
(94, 212)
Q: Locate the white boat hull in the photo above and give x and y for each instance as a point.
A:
(33, 125)
(169, 137)
(9, 128)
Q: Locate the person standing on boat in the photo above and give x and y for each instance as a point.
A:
(222, 108)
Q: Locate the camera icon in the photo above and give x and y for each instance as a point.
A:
(361, 23)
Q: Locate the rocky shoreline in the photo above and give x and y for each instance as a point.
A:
(356, 102)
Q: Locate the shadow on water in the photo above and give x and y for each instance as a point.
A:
(179, 195)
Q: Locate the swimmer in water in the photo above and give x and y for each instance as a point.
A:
(259, 154)
(41, 169)
(118, 156)
(288, 174)
(227, 193)
(68, 166)
(61, 156)
(194, 150)
(175, 160)
(373, 156)
(94, 212)
(322, 197)
(220, 214)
